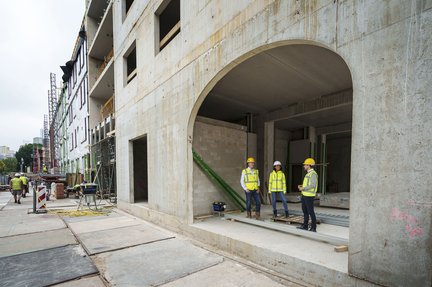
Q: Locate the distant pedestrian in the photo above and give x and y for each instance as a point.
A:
(250, 183)
(16, 188)
(44, 169)
(25, 184)
(277, 186)
(308, 190)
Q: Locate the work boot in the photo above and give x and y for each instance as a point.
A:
(16, 200)
(257, 215)
(274, 213)
(313, 229)
(286, 214)
(19, 202)
(249, 214)
(302, 227)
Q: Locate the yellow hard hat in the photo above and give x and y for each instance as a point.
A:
(250, 159)
(309, 161)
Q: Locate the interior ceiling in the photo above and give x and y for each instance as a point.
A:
(277, 78)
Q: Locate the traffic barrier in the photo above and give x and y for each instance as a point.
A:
(41, 198)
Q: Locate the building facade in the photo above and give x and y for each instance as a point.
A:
(73, 112)
(347, 80)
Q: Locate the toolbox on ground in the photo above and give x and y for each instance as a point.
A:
(219, 206)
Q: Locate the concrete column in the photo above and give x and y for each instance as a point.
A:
(312, 137)
(323, 161)
(268, 152)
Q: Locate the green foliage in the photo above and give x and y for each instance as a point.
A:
(10, 164)
(2, 167)
(25, 152)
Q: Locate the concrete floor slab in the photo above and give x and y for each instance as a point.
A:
(18, 222)
(154, 264)
(46, 267)
(113, 239)
(94, 281)
(5, 196)
(25, 243)
(228, 274)
(102, 224)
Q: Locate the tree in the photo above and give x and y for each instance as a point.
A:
(2, 167)
(11, 164)
(25, 152)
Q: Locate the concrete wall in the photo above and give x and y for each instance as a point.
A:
(282, 139)
(223, 147)
(387, 46)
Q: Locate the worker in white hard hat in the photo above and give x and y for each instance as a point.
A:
(308, 191)
(250, 183)
(16, 188)
(277, 186)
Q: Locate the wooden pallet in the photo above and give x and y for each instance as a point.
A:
(292, 219)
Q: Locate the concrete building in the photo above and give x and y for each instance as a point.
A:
(347, 82)
(6, 152)
(99, 20)
(73, 112)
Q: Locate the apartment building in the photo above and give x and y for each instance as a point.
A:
(73, 112)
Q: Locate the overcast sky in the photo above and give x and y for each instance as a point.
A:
(37, 37)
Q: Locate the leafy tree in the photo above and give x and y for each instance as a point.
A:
(2, 167)
(11, 164)
(25, 152)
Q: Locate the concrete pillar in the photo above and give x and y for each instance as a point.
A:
(268, 151)
(323, 161)
(312, 137)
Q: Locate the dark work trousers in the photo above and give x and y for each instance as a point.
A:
(255, 195)
(308, 210)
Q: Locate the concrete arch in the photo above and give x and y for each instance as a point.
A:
(200, 98)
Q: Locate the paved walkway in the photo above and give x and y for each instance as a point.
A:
(113, 249)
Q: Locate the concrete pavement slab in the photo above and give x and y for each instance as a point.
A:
(112, 239)
(20, 244)
(15, 222)
(94, 281)
(5, 196)
(228, 274)
(154, 264)
(46, 267)
(72, 219)
(102, 224)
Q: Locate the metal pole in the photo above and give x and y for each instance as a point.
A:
(34, 196)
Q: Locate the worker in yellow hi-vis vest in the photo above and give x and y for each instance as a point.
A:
(25, 184)
(308, 191)
(250, 183)
(277, 186)
(16, 188)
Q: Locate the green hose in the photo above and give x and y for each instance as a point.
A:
(229, 191)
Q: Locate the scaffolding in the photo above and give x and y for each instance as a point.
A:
(46, 158)
(104, 160)
(52, 112)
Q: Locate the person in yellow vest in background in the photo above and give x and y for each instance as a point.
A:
(277, 186)
(25, 184)
(308, 190)
(250, 183)
(44, 169)
(16, 187)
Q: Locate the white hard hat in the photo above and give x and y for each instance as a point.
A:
(17, 174)
(277, 163)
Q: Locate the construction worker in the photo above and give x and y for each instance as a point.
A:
(25, 184)
(308, 191)
(16, 187)
(277, 186)
(250, 183)
(44, 169)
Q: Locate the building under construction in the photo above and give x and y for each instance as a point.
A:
(202, 85)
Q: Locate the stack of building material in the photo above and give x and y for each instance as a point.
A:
(59, 191)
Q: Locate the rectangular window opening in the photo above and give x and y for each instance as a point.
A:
(168, 15)
(131, 64)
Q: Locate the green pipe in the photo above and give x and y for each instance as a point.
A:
(219, 181)
(231, 193)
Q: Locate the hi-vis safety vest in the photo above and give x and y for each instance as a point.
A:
(251, 179)
(16, 183)
(306, 181)
(24, 180)
(277, 181)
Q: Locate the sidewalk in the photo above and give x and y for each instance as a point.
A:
(113, 249)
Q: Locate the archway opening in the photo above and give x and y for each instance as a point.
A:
(285, 103)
